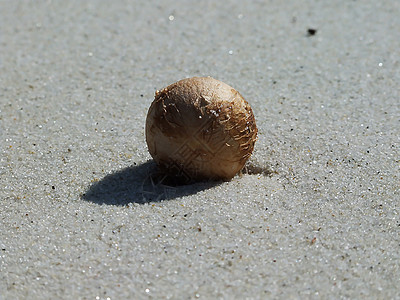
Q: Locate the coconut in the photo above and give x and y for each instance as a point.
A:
(200, 128)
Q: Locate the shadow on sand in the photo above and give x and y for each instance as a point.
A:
(140, 184)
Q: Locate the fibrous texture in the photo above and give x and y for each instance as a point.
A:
(200, 128)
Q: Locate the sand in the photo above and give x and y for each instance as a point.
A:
(82, 216)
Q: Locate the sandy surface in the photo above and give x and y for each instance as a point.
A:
(81, 218)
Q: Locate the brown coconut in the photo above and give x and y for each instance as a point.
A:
(200, 128)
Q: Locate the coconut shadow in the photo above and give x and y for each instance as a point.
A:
(141, 184)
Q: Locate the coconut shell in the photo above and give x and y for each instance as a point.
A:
(200, 128)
